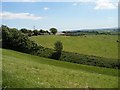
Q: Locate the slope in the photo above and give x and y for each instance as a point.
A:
(24, 70)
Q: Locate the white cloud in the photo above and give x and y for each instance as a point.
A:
(46, 8)
(105, 4)
(10, 15)
(100, 4)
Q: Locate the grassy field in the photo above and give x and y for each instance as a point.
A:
(24, 70)
(98, 45)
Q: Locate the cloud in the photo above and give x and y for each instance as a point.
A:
(100, 4)
(10, 15)
(105, 4)
(46, 8)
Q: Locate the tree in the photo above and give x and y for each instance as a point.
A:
(58, 46)
(24, 30)
(58, 49)
(36, 32)
(30, 33)
(53, 30)
(16, 40)
(41, 31)
(47, 32)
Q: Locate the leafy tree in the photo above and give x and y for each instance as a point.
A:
(58, 46)
(53, 30)
(36, 32)
(30, 33)
(24, 30)
(47, 32)
(42, 31)
(14, 39)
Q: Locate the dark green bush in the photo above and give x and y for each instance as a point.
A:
(89, 60)
(45, 52)
(58, 46)
(16, 40)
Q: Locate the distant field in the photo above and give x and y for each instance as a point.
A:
(23, 70)
(98, 45)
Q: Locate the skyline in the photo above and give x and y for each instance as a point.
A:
(61, 15)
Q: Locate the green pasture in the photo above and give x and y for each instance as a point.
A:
(24, 70)
(97, 45)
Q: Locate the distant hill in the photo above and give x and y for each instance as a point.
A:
(111, 31)
(100, 29)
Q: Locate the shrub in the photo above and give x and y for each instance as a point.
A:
(16, 40)
(89, 60)
(58, 46)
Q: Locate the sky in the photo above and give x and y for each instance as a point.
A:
(61, 15)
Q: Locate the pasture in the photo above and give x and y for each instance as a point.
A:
(22, 70)
(97, 45)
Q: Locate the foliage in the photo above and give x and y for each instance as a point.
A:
(30, 33)
(58, 49)
(53, 30)
(14, 39)
(36, 32)
(89, 60)
(58, 46)
(24, 30)
(43, 32)
(109, 31)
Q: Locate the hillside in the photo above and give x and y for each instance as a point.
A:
(97, 45)
(24, 70)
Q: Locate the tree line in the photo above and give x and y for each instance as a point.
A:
(39, 32)
(90, 32)
(18, 40)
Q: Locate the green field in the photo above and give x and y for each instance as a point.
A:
(98, 45)
(24, 70)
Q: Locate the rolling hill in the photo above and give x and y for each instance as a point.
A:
(24, 70)
(97, 45)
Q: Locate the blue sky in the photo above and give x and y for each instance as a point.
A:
(62, 15)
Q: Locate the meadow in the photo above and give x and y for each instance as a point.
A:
(24, 70)
(97, 45)
(28, 65)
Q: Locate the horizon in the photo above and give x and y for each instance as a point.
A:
(83, 29)
(60, 15)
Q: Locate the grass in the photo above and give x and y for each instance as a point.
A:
(24, 70)
(97, 45)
